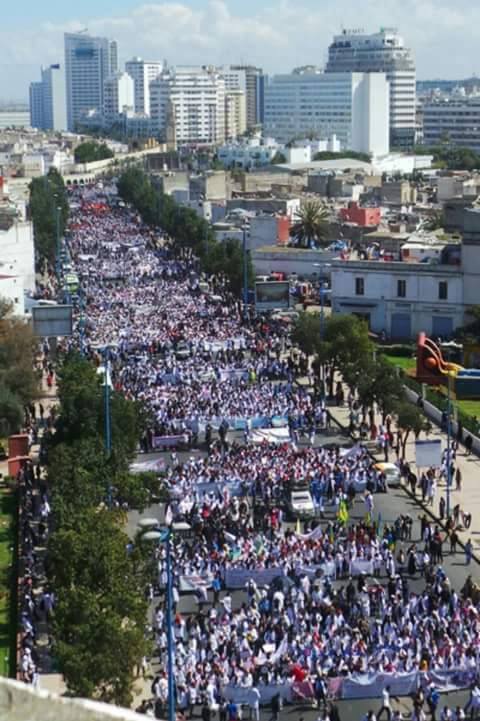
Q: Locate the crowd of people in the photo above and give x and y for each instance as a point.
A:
(198, 364)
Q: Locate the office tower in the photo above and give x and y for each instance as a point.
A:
(194, 99)
(254, 86)
(235, 114)
(312, 104)
(384, 52)
(118, 95)
(47, 100)
(142, 73)
(89, 61)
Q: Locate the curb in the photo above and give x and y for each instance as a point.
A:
(417, 501)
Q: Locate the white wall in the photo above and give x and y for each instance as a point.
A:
(17, 253)
(370, 113)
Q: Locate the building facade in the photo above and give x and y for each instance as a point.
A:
(255, 92)
(383, 52)
(353, 106)
(192, 99)
(118, 94)
(36, 104)
(456, 121)
(48, 104)
(235, 114)
(142, 74)
(400, 299)
(89, 61)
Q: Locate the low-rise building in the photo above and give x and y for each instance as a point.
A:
(353, 213)
(399, 298)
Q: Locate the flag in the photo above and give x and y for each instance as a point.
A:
(298, 529)
(168, 516)
(343, 514)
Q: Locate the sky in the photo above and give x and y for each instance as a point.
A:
(277, 35)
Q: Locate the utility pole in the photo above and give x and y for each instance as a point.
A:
(108, 420)
(245, 272)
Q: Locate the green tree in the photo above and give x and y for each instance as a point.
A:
(100, 617)
(19, 382)
(48, 199)
(347, 348)
(409, 419)
(91, 151)
(328, 155)
(226, 258)
(311, 225)
(306, 333)
(470, 332)
(379, 383)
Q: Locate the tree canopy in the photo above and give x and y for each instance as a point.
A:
(186, 229)
(48, 200)
(91, 151)
(19, 382)
(354, 154)
(100, 616)
(310, 227)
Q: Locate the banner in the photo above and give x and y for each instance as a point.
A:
(371, 685)
(360, 565)
(236, 578)
(243, 695)
(327, 569)
(428, 453)
(193, 582)
(271, 435)
(169, 441)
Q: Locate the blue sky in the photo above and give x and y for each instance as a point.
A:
(275, 34)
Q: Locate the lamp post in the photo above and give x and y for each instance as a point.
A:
(58, 249)
(449, 468)
(108, 420)
(166, 538)
(245, 271)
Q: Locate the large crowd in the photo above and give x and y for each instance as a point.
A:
(189, 353)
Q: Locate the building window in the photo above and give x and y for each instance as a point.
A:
(401, 288)
(443, 290)
(359, 286)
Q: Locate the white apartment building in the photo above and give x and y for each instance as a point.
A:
(118, 94)
(89, 61)
(400, 298)
(352, 106)
(356, 52)
(48, 104)
(142, 73)
(14, 118)
(456, 121)
(235, 114)
(192, 99)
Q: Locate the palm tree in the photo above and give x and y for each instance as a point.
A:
(311, 225)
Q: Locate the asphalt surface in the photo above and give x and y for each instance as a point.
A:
(389, 506)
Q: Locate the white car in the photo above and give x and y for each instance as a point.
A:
(300, 504)
(392, 473)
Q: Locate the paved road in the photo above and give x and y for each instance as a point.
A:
(390, 505)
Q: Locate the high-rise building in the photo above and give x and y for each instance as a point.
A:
(312, 104)
(142, 73)
(89, 61)
(118, 95)
(48, 109)
(455, 121)
(36, 104)
(193, 100)
(235, 114)
(254, 86)
(384, 52)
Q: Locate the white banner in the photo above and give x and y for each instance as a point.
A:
(428, 453)
(239, 577)
(359, 566)
(271, 435)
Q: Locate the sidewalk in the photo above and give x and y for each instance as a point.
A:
(468, 497)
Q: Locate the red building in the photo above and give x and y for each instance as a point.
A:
(361, 216)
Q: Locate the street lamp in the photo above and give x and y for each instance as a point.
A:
(449, 469)
(108, 420)
(245, 270)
